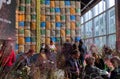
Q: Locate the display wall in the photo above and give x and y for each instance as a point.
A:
(59, 20)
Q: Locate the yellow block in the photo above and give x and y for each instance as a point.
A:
(27, 33)
(21, 48)
(47, 41)
(62, 4)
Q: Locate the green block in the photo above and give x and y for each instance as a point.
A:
(42, 32)
(52, 10)
(77, 10)
(62, 17)
(42, 1)
(22, 8)
(33, 16)
(68, 31)
(28, 1)
(78, 24)
(33, 39)
(21, 31)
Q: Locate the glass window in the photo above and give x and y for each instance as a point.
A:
(102, 24)
(101, 6)
(112, 26)
(100, 41)
(95, 10)
(90, 14)
(82, 20)
(96, 26)
(111, 3)
(88, 43)
(88, 29)
(86, 16)
(112, 41)
(82, 31)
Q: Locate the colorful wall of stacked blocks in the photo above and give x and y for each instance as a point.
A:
(59, 20)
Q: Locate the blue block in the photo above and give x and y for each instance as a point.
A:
(58, 24)
(27, 39)
(47, 2)
(16, 47)
(67, 2)
(43, 24)
(57, 10)
(72, 17)
(22, 24)
(53, 39)
(77, 39)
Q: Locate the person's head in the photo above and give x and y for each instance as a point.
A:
(80, 42)
(67, 40)
(75, 54)
(75, 46)
(90, 60)
(115, 61)
(30, 52)
(51, 42)
(95, 55)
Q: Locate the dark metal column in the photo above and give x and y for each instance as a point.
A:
(117, 5)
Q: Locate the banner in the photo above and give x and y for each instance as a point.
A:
(38, 26)
(7, 19)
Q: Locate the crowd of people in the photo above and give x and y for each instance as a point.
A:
(76, 60)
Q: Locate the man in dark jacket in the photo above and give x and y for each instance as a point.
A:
(73, 66)
(83, 51)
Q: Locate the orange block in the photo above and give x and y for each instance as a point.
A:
(21, 17)
(21, 40)
(62, 33)
(57, 18)
(33, 25)
(72, 25)
(72, 11)
(48, 25)
(52, 3)
(42, 17)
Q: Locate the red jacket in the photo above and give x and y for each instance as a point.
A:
(9, 60)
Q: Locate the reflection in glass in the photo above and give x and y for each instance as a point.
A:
(82, 31)
(100, 41)
(112, 27)
(112, 41)
(95, 10)
(88, 29)
(96, 26)
(102, 25)
(111, 3)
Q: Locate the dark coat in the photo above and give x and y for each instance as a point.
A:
(72, 68)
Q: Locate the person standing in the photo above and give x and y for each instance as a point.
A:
(83, 51)
(7, 58)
